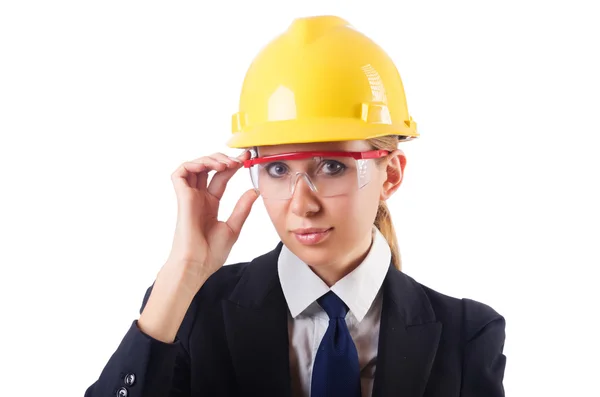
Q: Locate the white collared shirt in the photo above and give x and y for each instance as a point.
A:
(307, 321)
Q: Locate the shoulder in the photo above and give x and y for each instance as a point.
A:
(242, 280)
(476, 333)
(221, 284)
(473, 316)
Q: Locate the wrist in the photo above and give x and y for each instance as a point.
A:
(165, 309)
(181, 279)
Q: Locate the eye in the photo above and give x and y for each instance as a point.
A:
(276, 170)
(332, 167)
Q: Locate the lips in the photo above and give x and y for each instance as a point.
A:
(311, 236)
(311, 230)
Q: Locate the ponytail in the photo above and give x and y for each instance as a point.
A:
(383, 219)
(383, 222)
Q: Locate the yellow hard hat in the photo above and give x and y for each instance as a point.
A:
(320, 81)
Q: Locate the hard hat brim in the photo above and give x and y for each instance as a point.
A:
(318, 130)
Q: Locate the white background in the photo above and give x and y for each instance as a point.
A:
(101, 101)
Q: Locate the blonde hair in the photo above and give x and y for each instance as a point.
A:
(383, 219)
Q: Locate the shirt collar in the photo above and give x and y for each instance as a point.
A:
(358, 289)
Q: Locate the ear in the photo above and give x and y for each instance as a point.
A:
(394, 174)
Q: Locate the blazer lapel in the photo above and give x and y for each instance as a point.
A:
(255, 318)
(408, 338)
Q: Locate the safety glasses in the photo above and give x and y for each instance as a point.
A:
(327, 174)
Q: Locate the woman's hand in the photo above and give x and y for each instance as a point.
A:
(202, 243)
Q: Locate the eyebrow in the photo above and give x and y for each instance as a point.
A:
(317, 149)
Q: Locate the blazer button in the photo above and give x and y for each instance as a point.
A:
(122, 392)
(129, 379)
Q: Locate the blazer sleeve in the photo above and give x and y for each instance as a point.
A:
(144, 366)
(484, 359)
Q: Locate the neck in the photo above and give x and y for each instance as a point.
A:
(346, 264)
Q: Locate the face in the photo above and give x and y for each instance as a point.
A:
(347, 219)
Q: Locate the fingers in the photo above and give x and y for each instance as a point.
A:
(216, 165)
(185, 176)
(194, 174)
(241, 211)
(218, 184)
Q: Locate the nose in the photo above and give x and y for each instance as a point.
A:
(303, 201)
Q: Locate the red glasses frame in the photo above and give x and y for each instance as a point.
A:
(371, 154)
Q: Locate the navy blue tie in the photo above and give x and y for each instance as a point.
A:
(336, 371)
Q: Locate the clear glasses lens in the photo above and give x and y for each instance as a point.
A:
(327, 177)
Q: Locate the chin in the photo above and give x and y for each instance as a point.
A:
(320, 255)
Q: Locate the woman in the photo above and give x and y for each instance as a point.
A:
(328, 312)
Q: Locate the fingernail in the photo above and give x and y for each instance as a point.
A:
(235, 159)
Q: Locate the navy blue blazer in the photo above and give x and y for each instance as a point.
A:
(234, 342)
